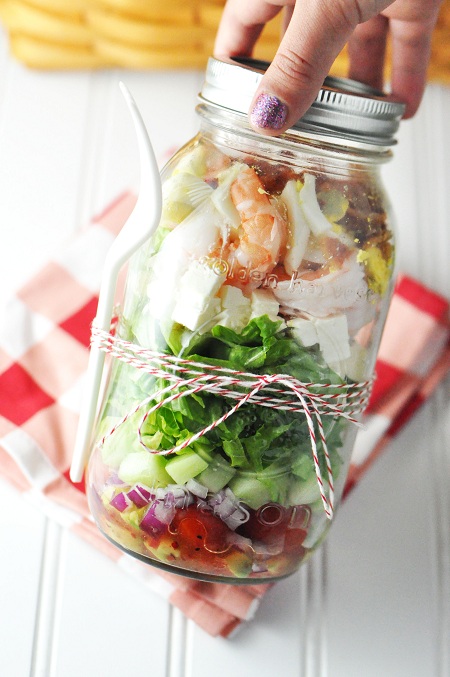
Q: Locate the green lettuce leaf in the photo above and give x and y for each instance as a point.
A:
(274, 444)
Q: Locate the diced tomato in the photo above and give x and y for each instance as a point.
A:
(199, 532)
(276, 526)
(267, 524)
(293, 540)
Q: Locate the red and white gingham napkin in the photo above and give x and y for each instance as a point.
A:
(44, 341)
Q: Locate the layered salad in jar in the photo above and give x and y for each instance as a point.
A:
(257, 270)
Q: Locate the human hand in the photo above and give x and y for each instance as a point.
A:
(316, 31)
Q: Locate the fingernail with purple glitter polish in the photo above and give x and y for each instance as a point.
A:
(268, 112)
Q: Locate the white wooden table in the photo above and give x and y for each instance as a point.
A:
(375, 601)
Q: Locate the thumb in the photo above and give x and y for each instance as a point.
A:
(314, 37)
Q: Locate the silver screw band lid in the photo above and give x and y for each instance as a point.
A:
(343, 108)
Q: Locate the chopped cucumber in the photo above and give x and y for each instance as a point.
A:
(217, 474)
(276, 480)
(119, 444)
(303, 486)
(303, 492)
(142, 466)
(185, 466)
(250, 490)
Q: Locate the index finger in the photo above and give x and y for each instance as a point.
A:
(316, 34)
(242, 23)
(411, 47)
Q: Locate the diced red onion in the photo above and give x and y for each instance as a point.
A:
(183, 497)
(225, 508)
(175, 495)
(165, 513)
(140, 495)
(197, 488)
(120, 502)
(238, 517)
(228, 507)
(216, 498)
(203, 506)
(185, 501)
(157, 517)
(146, 492)
(169, 499)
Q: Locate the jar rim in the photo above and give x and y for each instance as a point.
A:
(343, 109)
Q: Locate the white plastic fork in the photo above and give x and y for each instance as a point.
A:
(139, 226)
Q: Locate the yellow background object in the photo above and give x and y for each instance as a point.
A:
(146, 34)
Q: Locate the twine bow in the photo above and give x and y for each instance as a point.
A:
(188, 377)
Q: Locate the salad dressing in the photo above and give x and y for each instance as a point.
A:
(243, 354)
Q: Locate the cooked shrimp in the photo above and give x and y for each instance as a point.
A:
(261, 237)
(329, 292)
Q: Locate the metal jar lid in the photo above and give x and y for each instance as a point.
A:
(344, 109)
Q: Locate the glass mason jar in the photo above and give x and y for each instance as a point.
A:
(244, 351)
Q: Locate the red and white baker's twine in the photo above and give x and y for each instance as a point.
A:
(187, 377)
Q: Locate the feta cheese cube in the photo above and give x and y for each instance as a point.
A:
(233, 320)
(196, 302)
(263, 302)
(331, 333)
(202, 279)
(333, 338)
(235, 308)
(233, 297)
(304, 331)
(196, 317)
